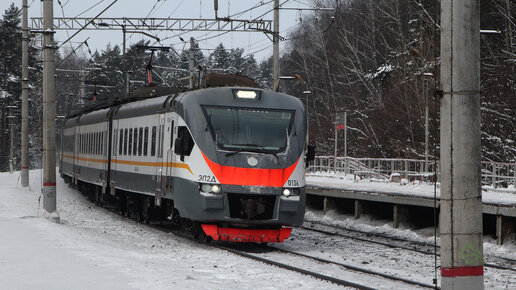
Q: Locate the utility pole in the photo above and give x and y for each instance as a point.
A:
(49, 114)
(25, 97)
(192, 63)
(12, 133)
(425, 89)
(461, 196)
(345, 134)
(10, 119)
(82, 88)
(275, 48)
(124, 57)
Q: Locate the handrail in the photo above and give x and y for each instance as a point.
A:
(494, 174)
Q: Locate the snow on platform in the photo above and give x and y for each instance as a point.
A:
(93, 248)
(490, 197)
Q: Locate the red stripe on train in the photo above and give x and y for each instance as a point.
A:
(250, 176)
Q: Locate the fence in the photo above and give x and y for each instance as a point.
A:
(495, 174)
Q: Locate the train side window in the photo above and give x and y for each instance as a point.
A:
(186, 142)
(153, 141)
(115, 142)
(121, 142)
(96, 138)
(130, 145)
(146, 141)
(125, 142)
(140, 141)
(102, 143)
(135, 142)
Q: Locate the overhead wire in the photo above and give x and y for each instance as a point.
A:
(234, 15)
(240, 25)
(91, 7)
(82, 28)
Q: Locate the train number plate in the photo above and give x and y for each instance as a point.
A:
(207, 178)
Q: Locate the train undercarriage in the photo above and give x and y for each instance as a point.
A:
(141, 208)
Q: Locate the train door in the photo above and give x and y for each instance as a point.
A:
(171, 122)
(157, 133)
(116, 150)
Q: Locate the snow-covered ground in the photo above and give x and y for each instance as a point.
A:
(94, 248)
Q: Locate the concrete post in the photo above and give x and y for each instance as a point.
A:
(25, 98)
(493, 174)
(499, 232)
(358, 209)
(335, 154)
(275, 48)
(12, 134)
(49, 114)
(192, 63)
(461, 198)
(426, 124)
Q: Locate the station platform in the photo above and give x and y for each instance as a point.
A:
(409, 201)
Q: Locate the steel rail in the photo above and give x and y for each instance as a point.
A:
(358, 269)
(488, 265)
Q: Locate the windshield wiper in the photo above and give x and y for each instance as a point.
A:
(263, 150)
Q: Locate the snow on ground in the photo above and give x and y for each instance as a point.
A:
(489, 195)
(93, 248)
(412, 189)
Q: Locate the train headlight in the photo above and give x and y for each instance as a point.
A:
(247, 94)
(210, 188)
(290, 192)
(215, 188)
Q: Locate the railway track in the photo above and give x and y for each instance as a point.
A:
(275, 256)
(340, 274)
(419, 247)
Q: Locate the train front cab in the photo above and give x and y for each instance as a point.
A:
(245, 179)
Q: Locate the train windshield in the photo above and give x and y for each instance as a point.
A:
(249, 129)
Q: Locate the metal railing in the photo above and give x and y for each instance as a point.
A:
(494, 174)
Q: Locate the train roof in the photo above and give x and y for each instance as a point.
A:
(222, 96)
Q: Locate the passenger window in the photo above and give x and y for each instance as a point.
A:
(146, 141)
(130, 142)
(140, 141)
(135, 142)
(153, 141)
(125, 142)
(120, 142)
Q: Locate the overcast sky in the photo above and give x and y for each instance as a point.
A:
(252, 42)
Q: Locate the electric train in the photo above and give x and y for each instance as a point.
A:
(227, 163)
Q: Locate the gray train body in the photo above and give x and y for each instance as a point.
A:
(223, 156)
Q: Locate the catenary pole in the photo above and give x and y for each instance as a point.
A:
(49, 114)
(192, 63)
(25, 97)
(275, 47)
(12, 133)
(461, 197)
